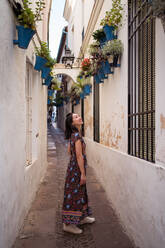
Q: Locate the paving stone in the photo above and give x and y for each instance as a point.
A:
(43, 227)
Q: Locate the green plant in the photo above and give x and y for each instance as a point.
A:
(114, 16)
(44, 52)
(56, 84)
(113, 47)
(98, 34)
(94, 48)
(27, 17)
(51, 62)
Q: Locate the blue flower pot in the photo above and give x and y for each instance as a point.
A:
(109, 32)
(40, 62)
(50, 92)
(45, 72)
(24, 36)
(106, 67)
(82, 95)
(115, 61)
(49, 101)
(48, 80)
(87, 89)
(101, 74)
(102, 42)
(77, 101)
(97, 79)
(60, 105)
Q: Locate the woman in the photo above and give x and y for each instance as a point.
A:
(75, 206)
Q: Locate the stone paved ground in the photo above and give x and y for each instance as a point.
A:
(43, 228)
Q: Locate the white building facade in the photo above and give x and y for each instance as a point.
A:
(23, 125)
(124, 118)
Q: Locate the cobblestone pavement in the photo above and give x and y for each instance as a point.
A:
(43, 228)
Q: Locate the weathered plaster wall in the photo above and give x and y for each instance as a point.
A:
(160, 89)
(18, 183)
(113, 96)
(136, 190)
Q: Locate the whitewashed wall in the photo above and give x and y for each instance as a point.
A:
(18, 183)
(133, 186)
(160, 96)
(136, 190)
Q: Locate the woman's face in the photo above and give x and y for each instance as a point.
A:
(76, 120)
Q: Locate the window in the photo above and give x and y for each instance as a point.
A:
(141, 85)
(96, 110)
(28, 94)
(32, 133)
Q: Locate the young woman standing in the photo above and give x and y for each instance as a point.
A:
(75, 206)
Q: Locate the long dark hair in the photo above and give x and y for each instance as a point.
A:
(69, 128)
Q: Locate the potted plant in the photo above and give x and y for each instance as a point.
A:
(106, 67)
(42, 53)
(85, 65)
(94, 49)
(27, 19)
(48, 80)
(112, 19)
(46, 69)
(56, 84)
(113, 50)
(50, 92)
(44, 61)
(99, 36)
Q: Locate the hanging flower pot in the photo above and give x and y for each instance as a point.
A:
(87, 89)
(77, 101)
(115, 61)
(50, 92)
(101, 74)
(24, 36)
(106, 67)
(102, 41)
(48, 80)
(45, 72)
(109, 32)
(82, 95)
(40, 62)
(97, 79)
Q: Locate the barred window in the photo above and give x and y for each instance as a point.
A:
(141, 85)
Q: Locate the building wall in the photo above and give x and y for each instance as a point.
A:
(18, 182)
(134, 186)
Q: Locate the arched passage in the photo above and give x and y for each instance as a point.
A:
(71, 73)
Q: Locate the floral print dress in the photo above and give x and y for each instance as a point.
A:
(75, 205)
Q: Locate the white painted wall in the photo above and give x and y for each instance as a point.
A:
(160, 89)
(133, 186)
(136, 190)
(18, 183)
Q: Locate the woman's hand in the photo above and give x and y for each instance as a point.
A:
(83, 179)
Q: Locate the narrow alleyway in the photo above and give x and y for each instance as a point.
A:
(43, 228)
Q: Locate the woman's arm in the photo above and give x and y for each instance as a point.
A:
(80, 160)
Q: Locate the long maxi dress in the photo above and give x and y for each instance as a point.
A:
(75, 204)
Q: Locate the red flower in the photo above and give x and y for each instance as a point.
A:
(85, 64)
